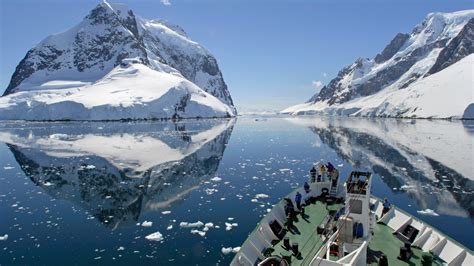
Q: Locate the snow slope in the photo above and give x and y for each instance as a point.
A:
(134, 91)
(71, 75)
(446, 94)
(398, 82)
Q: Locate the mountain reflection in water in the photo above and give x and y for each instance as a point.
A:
(115, 171)
(425, 159)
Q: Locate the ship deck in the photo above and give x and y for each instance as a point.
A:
(304, 233)
(385, 241)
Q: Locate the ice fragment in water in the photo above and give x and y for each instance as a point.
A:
(195, 231)
(156, 236)
(4, 237)
(216, 179)
(261, 196)
(165, 212)
(428, 212)
(147, 224)
(228, 250)
(190, 225)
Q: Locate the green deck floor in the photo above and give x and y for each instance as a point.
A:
(306, 236)
(384, 241)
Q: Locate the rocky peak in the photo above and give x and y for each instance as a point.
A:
(108, 35)
(392, 48)
(459, 47)
(406, 59)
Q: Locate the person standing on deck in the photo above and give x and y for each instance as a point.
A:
(298, 200)
(312, 173)
(386, 206)
(334, 176)
(306, 187)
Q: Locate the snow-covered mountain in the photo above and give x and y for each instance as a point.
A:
(428, 73)
(116, 65)
(116, 171)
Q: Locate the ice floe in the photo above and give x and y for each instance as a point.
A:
(216, 179)
(229, 250)
(428, 212)
(261, 196)
(4, 237)
(191, 225)
(210, 191)
(156, 236)
(147, 224)
(165, 212)
(229, 226)
(195, 231)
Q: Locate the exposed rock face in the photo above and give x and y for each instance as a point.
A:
(392, 48)
(461, 46)
(111, 35)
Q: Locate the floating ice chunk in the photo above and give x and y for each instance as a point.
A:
(261, 196)
(229, 226)
(147, 224)
(4, 237)
(428, 212)
(285, 170)
(195, 231)
(8, 167)
(230, 218)
(169, 227)
(165, 212)
(190, 225)
(407, 187)
(254, 177)
(120, 248)
(156, 236)
(216, 179)
(229, 250)
(210, 191)
(254, 200)
(226, 251)
(58, 136)
(340, 165)
(209, 225)
(98, 258)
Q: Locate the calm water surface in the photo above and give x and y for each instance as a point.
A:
(77, 193)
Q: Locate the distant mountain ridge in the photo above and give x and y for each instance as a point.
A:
(368, 86)
(110, 39)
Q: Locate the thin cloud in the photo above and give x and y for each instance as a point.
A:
(166, 2)
(317, 84)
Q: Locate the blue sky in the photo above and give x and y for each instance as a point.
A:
(272, 53)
